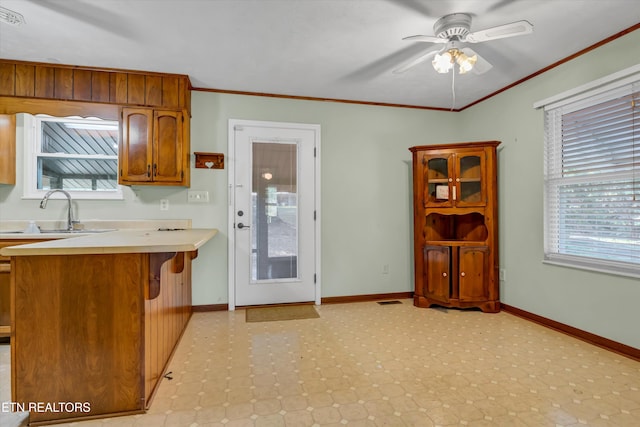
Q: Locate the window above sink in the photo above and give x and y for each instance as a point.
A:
(78, 155)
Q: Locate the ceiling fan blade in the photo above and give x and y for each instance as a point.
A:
(513, 29)
(420, 59)
(429, 39)
(481, 66)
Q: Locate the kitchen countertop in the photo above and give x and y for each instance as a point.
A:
(111, 242)
(14, 229)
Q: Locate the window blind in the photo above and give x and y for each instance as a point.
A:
(592, 181)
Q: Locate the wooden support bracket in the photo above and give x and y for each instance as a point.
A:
(177, 263)
(155, 265)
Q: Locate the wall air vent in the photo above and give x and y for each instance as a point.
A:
(11, 17)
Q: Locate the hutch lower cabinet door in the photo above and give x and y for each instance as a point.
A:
(437, 277)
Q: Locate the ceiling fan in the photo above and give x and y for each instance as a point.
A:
(454, 30)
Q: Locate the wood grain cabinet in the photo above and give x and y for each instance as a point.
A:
(455, 225)
(7, 149)
(5, 285)
(104, 339)
(154, 147)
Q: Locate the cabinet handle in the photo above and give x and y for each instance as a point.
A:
(462, 274)
(155, 169)
(450, 179)
(444, 274)
(148, 170)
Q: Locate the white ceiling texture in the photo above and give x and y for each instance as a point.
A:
(326, 49)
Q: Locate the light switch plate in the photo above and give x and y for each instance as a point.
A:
(198, 196)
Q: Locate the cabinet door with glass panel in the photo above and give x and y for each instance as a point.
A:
(470, 182)
(438, 179)
(454, 179)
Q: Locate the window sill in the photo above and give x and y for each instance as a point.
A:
(611, 268)
(77, 195)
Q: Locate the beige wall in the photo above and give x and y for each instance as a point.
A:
(602, 304)
(365, 185)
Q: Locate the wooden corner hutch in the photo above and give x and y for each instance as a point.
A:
(456, 225)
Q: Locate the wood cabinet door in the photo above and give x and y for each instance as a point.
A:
(136, 150)
(438, 180)
(470, 179)
(473, 275)
(437, 272)
(8, 149)
(5, 296)
(168, 146)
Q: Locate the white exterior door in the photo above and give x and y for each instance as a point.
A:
(273, 214)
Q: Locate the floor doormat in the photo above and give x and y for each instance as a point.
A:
(285, 312)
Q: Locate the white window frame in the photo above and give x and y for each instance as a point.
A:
(610, 87)
(32, 137)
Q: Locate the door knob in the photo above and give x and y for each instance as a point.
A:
(240, 213)
(241, 225)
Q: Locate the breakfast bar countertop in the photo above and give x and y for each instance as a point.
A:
(119, 241)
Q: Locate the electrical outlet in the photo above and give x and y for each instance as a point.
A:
(164, 204)
(503, 274)
(197, 196)
(385, 269)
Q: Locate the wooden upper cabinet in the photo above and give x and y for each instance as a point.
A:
(71, 83)
(136, 145)
(154, 124)
(438, 179)
(455, 179)
(7, 149)
(470, 181)
(168, 146)
(154, 147)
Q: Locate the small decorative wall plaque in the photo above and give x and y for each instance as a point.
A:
(209, 160)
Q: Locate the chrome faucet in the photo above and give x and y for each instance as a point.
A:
(45, 199)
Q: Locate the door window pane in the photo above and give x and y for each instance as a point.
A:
(274, 232)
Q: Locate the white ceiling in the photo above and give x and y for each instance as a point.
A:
(331, 49)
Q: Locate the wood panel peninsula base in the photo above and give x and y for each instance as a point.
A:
(456, 225)
(93, 333)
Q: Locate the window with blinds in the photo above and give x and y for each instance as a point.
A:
(592, 180)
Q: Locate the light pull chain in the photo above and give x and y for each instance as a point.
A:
(453, 88)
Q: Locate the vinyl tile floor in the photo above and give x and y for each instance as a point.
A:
(365, 364)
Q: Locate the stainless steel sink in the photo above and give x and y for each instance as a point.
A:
(63, 231)
(91, 230)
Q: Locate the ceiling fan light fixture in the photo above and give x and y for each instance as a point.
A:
(443, 63)
(465, 63)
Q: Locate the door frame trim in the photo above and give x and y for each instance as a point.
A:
(231, 246)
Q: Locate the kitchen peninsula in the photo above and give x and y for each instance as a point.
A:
(96, 318)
